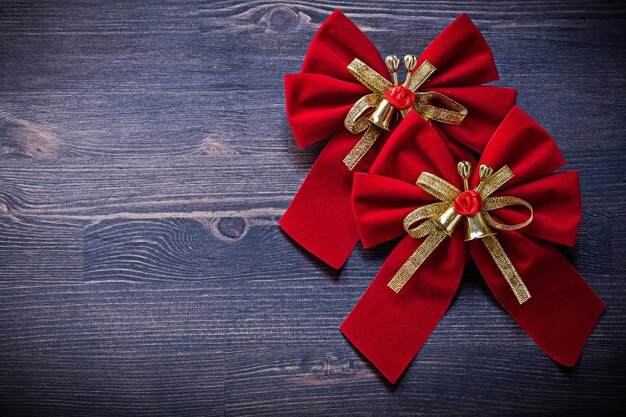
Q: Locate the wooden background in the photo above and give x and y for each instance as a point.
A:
(145, 159)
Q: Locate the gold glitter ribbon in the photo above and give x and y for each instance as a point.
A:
(430, 104)
(422, 222)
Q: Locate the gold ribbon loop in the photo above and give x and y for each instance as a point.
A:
(425, 212)
(430, 104)
(429, 228)
(494, 203)
(355, 122)
(452, 113)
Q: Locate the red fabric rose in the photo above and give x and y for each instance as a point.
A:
(468, 203)
(400, 97)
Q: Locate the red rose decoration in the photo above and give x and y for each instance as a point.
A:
(468, 203)
(400, 97)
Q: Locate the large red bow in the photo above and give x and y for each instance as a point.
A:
(389, 328)
(321, 95)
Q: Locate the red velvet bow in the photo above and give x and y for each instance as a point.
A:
(389, 328)
(320, 96)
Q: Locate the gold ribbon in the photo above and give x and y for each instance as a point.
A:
(422, 222)
(357, 121)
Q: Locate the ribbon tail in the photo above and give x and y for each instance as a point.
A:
(416, 260)
(362, 147)
(506, 267)
(563, 310)
(320, 216)
(389, 328)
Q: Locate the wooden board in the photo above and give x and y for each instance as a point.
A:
(145, 159)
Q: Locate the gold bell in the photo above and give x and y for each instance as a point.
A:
(476, 227)
(384, 114)
(448, 220)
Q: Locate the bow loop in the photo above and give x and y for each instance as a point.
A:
(337, 41)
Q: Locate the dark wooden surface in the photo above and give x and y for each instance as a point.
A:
(145, 159)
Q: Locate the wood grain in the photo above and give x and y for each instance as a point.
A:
(145, 160)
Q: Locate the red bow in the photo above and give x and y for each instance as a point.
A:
(389, 328)
(321, 95)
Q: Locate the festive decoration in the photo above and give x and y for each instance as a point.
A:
(344, 91)
(415, 187)
(442, 219)
(378, 110)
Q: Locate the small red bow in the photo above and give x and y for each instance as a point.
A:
(390, 327)
(321, 95)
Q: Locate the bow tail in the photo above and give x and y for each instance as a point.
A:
(389, 328)
(362, 147)
(320, 216)
(563, 309)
